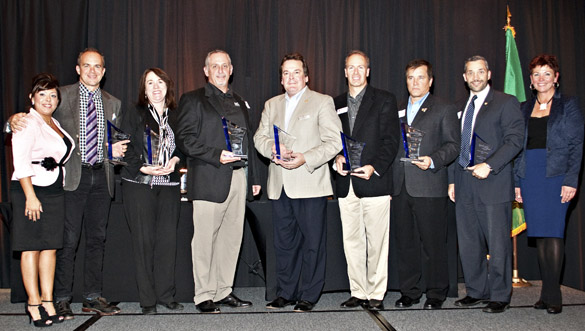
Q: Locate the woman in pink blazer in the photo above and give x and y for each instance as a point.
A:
(39, 152)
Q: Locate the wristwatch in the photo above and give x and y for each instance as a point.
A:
(7, 128)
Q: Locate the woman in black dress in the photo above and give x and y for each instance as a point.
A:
(39, 151)
(151, 191)
(547, 172)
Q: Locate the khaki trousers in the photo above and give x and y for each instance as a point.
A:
(217, 237)
(366, 230)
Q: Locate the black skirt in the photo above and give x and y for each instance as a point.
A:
(46, 232)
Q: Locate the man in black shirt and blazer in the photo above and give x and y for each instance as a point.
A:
(368, 115)
(216, 181)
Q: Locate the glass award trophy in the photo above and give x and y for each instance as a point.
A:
(411, 139)
(283, 143)
(151, 148)
(115, 135)
(352, 151)
(480, 151)
(234, 138)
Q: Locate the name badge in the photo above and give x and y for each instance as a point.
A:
(402, 113)
(341, 110)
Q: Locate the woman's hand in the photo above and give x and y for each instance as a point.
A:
(33, 208)
(567, 193)
(153, 170)
(171, 165)
(518, 194)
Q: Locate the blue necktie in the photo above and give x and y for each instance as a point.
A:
(464, 155)
(91, 132)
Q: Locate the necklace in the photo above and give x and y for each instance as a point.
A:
(543, 106)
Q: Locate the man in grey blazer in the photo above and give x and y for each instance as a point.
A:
(299, 182)
(88, 187)
(369, 116)
(483, 190)
(89, 182)
(420, 191)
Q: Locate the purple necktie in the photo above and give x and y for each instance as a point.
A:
(91, 132)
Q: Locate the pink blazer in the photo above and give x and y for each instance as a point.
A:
(34, 143)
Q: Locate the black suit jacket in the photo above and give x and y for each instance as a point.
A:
(501, 125)
(441, 142)
(199, 135)
(376, 125)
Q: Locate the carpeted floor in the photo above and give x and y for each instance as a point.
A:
(326, 316)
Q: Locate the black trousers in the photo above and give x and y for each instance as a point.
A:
(152, 214)
(300, 229)
(87, 207)
(420, 225)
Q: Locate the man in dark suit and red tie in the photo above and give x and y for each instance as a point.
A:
(420, 191)
(481, 184)
(369, 116)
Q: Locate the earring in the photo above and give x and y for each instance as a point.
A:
(531, 86)
(557, 85)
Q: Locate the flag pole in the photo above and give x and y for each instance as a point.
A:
(517, 281)
(514, 83)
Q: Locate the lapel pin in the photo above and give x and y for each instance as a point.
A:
(423, 110)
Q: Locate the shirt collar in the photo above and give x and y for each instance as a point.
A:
(84, 90)
(481, 95)
(419, 102)
(295, 97)
(359, 97)
(219, 92)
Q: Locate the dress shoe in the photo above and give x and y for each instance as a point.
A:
(540, 305)
(208, 307)
(433, 303)
(173, 305)
(64, 309)
(375, 305)
(99, 305)
(233, 301)
(405, 302)
(496, 307)
(353, 302)
(554, 309)
(469, 301)
(279, 302)
(304, 306)
(149, 310)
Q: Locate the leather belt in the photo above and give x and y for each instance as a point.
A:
(95, 166)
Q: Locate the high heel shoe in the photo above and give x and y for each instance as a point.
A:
(55, 318)
(42, 322)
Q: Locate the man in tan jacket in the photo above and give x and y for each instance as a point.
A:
(299, 182)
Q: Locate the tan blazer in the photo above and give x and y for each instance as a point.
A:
(316, 126)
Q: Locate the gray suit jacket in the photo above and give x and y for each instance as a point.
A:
(501, 125)
(441, 142)
(317, 128)
(68, 115)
